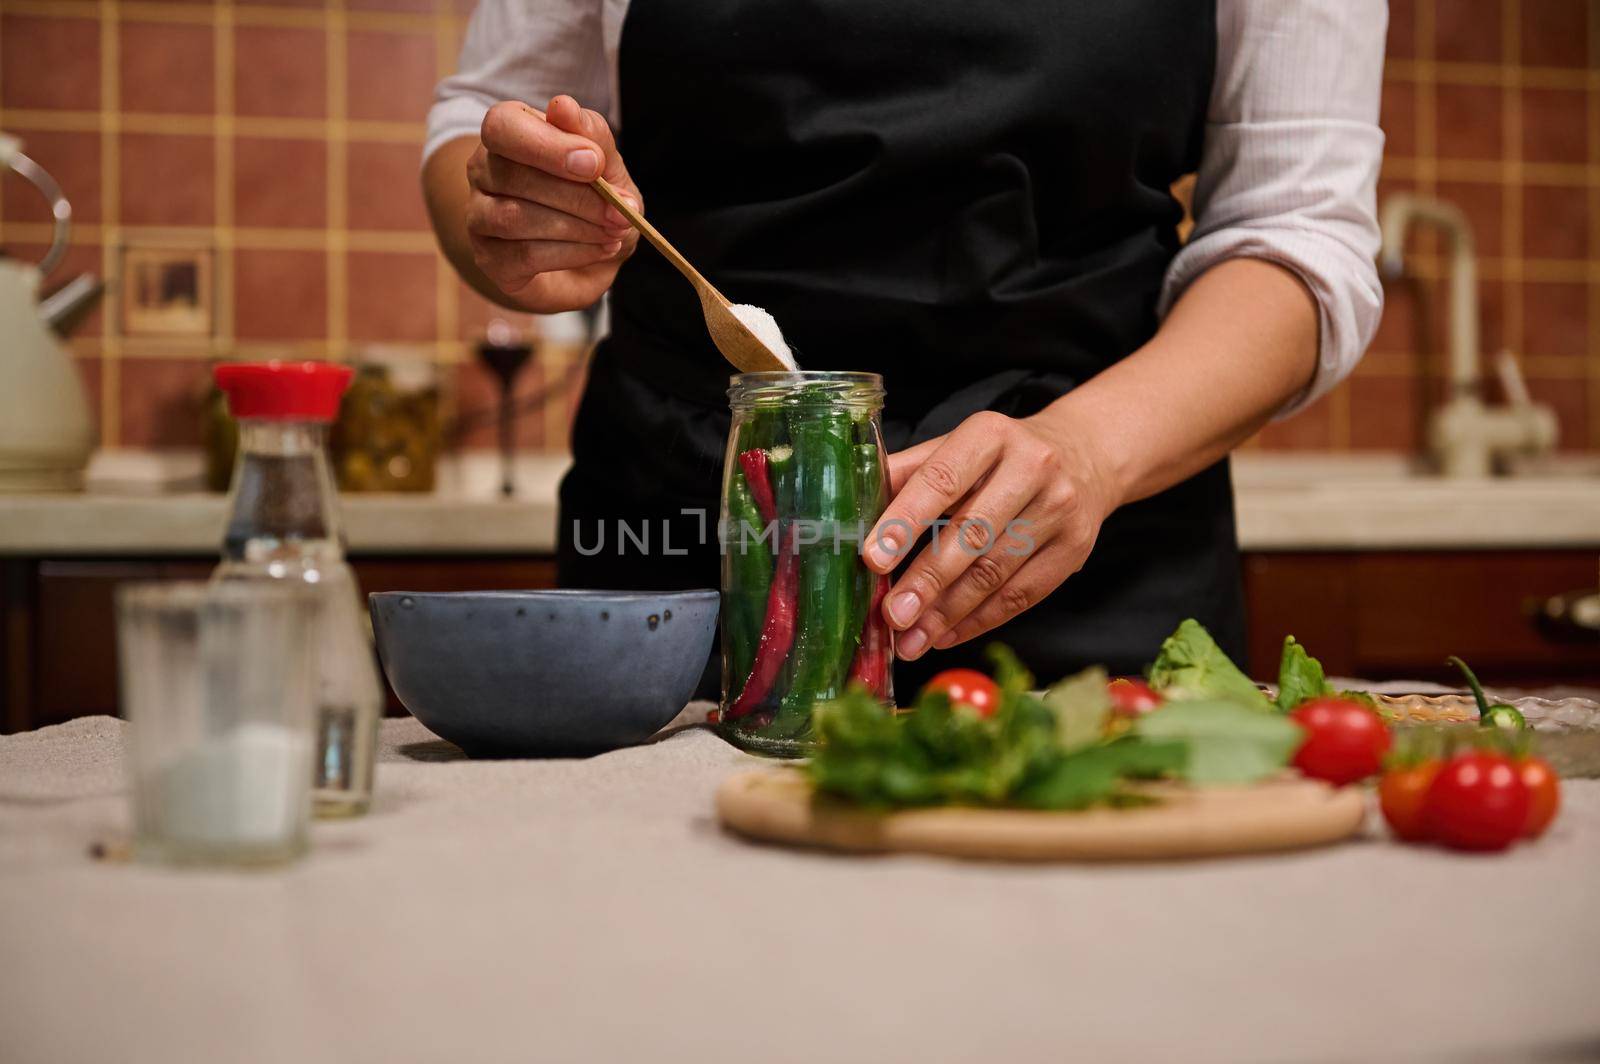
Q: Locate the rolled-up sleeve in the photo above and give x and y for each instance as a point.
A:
(1289, 168)
(516, 50)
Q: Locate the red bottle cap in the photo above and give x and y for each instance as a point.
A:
(283, 391)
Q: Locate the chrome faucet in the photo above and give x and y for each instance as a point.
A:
(1467, 437)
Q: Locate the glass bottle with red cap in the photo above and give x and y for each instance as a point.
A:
(283, 524)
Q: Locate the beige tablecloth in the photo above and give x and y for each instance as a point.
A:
(592, 910)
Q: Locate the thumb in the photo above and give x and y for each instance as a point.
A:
(566, 115)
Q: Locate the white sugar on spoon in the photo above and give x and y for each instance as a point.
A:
(765, 328)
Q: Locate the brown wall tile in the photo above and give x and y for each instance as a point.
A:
(73, 159)
(1468, 125)
(282, 72)
(167, 68)
(280, 295)
(167, 180)
(280, 183)
(391, 75)
(1555, 126)
(1402, 42)
(1467, 31)
(159, 401)
(384, 187)
(49, 62)
(1555, 319)
(1555, 32)
(1384, 413)
(393, 296)
(1555, 222)
(1398, 117)
(1483, 205)
(425, 7)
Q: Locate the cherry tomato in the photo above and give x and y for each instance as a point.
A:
(1402, 793)
(1476, 802)
(1131, 697)
(1544, 794)
(967, 687)
(1345, 741)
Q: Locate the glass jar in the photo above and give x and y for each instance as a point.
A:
(387, 436)
(283, 524)
(802, 618)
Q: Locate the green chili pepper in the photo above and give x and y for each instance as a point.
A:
(780, 468)
(869, 502)
(825, 496)
(749, 561)
(1498, 715)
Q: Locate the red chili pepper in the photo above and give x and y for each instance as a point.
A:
(777, 631)
(871, 664)
(754, 464)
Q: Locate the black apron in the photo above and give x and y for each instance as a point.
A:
(971, 199)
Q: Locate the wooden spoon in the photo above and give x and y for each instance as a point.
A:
(737, 343)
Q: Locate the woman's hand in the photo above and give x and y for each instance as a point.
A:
(1024, 499)
(538, 230)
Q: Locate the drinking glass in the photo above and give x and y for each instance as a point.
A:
(218, 685)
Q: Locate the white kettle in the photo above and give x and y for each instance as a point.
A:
(45, 432)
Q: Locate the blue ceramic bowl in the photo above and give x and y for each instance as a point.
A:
(544, 673)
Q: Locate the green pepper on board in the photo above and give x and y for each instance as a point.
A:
(1499, 715)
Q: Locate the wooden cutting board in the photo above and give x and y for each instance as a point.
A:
(778, 805)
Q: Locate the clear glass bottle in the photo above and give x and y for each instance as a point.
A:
(283, 524)
(802, 615)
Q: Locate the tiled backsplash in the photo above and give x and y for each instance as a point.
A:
(284, 136)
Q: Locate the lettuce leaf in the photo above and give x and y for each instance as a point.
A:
(1300, 676)
(1191, 665)
(1225, 741)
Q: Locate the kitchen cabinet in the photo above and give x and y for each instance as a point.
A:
(1398, 614)
(1374, 614)
(59, 654)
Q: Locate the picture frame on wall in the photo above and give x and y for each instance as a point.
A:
(167, 291)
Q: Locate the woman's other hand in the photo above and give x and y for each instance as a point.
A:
(1024, 500)
(538, 230)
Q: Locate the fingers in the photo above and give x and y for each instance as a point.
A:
(975, 525)
(508, 218)
(496, 175)
(566, 115)
(981, 575)
(903, 463)
(1039, 575)
(523, 135)
(513, 264)
(935, 487)
(568, 144)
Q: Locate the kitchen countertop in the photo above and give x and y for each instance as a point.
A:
(1284, 502)
(592, 909)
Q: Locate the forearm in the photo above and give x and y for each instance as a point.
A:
(1240, 343)
(447, 191)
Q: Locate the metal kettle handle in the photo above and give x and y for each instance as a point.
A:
(60, 209)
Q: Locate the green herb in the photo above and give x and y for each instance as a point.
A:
(1300, 676)
(1082, 706)
(1226, 742)
(1094, 774)
(1054, 752)
(1191, 665)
